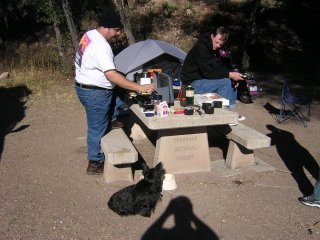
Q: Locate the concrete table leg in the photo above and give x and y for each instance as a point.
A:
(183, 150)
(239, 156)
(121, 172)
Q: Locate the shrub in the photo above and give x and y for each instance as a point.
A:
(169, 8)
(188, 9)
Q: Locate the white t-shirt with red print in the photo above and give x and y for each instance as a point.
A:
(93, 58)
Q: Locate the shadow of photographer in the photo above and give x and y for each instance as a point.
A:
(12, 110)
(295, 157)
(187, 225)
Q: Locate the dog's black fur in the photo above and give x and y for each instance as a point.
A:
(140, 198)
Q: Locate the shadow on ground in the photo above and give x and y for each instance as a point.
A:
(186, 224)
(295, 157)
(12, 110)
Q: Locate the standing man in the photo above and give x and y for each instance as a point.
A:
(204, 69)
(95, 78)
(312, 200)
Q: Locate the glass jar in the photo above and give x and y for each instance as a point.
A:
(183, 102)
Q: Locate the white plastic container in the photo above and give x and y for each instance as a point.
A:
(169, 182)
(144, 81)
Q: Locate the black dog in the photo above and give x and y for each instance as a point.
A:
(140, 198)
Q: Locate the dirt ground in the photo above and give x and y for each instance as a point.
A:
(46, 193)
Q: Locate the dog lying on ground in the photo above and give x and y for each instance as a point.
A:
(140, 198)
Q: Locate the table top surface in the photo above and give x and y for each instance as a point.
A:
(221, 116)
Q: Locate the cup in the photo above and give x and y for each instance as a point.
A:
(205, 105)
(217, 104)
(209, 109)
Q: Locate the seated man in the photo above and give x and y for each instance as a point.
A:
(204, 69)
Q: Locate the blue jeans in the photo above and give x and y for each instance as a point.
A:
(316, 191)
(96, 104)
(221, 86)
(117, 109)
(118, 96)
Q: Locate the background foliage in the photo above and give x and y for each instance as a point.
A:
(283, 37)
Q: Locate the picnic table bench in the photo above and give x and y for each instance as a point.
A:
(120, 154)
(243, 141)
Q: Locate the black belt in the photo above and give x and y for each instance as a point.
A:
(91, 87)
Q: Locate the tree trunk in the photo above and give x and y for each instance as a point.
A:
(59, 39)
(123, 8)
(71, 25)
(246, 61)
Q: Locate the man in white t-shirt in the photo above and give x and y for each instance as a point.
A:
(95, 77)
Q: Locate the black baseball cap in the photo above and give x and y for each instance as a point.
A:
(109, 20)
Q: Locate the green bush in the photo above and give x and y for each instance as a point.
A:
(169, 8)
(188, 9)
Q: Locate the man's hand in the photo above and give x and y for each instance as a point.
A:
(118, 79)
(147, 88)
(236, 76)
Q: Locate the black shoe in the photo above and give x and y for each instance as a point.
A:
(310, 201)
(95, 167)
(116, 124)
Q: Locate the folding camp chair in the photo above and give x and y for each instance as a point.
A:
(292, 106)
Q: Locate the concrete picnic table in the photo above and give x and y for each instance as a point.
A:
(182, 140)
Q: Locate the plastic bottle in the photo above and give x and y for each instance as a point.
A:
(190, 95)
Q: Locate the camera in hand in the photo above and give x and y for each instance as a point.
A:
(247, 89)
(244, 76)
